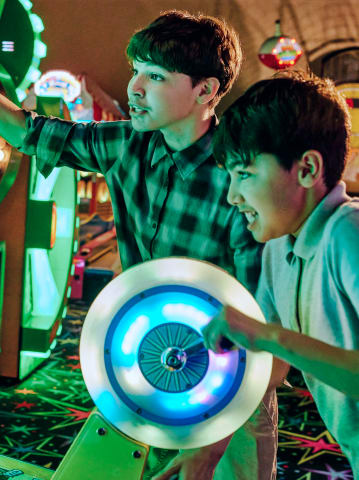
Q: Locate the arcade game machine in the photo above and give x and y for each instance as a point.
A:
(38, 216)
(86, 101)
(151, 378)
(343, 68)
(97, 259)
(351, 173)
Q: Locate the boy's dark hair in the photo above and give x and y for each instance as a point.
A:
(287, 115)
(197, 45)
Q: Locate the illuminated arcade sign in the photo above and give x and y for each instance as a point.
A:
(279, 51)
(58, 83)
(21, 48)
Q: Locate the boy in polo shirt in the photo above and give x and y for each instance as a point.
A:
(285, 144)
(168, 196)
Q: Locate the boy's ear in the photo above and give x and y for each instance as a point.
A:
(310, 168)
(207, 89)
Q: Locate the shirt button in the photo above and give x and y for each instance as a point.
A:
(154, 225)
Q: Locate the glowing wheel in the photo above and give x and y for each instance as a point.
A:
(136, 365)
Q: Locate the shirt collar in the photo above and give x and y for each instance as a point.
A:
(159, 148)
(190, 158)
(306, 243)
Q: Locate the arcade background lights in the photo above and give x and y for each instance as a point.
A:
(38, 220)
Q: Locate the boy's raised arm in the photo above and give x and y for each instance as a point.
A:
(12, 122)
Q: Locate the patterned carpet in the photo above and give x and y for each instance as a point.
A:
(41, 416)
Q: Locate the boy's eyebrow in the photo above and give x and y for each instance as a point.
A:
(231, 163)
(150, 64)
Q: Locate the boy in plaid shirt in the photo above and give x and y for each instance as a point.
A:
(168, 195)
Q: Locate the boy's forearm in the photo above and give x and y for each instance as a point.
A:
(12, 122)
(213, 452)
(334, 366)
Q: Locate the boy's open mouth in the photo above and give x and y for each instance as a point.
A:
(138, 109)
(250, 215)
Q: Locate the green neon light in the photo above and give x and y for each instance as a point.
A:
(29, 353)
(22, 28)
(47, 270)
(26, 4)
(21, 94)
(9, 176)
(36, 23)
(59, 331)
(40, 49)
(32, 74)
(2, 5)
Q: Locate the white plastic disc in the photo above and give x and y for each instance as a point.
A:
(142, 321)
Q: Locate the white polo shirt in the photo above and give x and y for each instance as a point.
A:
(311, 284)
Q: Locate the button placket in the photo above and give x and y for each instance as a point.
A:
(299, 270)
(161, 201)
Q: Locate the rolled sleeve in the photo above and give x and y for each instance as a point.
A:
(45, 138)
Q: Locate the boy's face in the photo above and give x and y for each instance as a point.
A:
(160, 99)
(270, 197)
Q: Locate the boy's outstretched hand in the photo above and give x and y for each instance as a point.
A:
(237, 327)
(246, 332)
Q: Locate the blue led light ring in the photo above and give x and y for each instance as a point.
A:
(236, 382)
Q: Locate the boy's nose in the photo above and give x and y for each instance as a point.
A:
(135, 87)
(234, 197)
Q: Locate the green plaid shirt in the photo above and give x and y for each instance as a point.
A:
(164, 203)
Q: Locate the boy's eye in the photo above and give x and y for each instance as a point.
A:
(242, 175)
(157, 77)
(134, 71)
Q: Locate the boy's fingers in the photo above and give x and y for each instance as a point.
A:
(225, 344)
(210, 337)
(217, 342)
